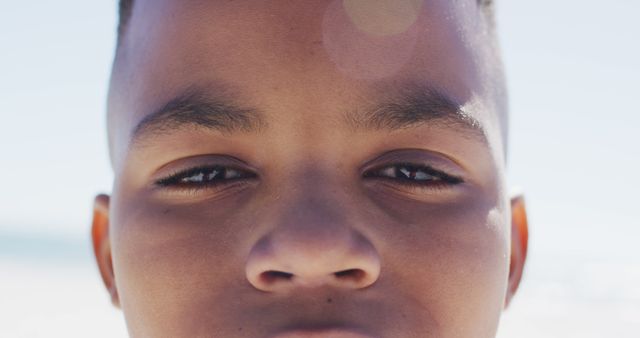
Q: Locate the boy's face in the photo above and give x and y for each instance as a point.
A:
(308, 169)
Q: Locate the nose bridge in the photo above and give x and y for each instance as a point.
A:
(316, 218)
(312, 241)
(314, 210)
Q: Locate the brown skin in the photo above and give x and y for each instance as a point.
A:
(354, 250)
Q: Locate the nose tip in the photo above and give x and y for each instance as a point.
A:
(277, 263)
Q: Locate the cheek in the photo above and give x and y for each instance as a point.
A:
(173, 261)
(453, 261)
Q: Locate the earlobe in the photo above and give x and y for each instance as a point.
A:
(519, 244)
(102, 245)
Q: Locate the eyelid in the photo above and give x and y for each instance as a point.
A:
(168, 180)
(447, 178)
(417, 158)
(186, 164)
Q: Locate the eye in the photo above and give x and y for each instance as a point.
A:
(412, 174)
(203, 177)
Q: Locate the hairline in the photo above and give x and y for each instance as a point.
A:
(125, 11)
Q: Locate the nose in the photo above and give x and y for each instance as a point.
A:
(314, 250)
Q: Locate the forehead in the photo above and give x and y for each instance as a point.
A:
(303, 60)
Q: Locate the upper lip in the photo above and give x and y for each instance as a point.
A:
(332, 332)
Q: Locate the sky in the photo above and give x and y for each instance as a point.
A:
(54, 68)
(573, 69)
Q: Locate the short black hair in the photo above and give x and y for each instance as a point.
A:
(124, 12)
(126, 7)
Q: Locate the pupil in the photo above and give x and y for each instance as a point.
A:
(213, 174)
(407, 172)
(415, 174)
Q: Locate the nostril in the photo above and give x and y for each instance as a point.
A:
(288, 260)
(272, 276)
(351, 274)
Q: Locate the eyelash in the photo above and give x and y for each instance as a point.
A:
(188, 179)
(432, 178)
(215, 176)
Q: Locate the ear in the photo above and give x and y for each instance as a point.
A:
(519, 242)
(102, 245)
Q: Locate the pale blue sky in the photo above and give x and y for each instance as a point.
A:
(573, 69)
(54, 66)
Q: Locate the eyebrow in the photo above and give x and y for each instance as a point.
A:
(410, 107)
(195, 110)
(414, 106)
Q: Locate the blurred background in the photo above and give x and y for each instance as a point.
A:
(573, 68)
